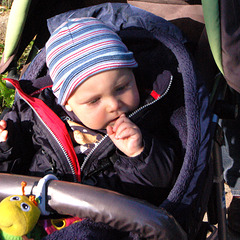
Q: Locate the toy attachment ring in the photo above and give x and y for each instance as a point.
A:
(41, 193)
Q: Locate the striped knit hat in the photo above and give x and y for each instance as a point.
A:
(81, 48)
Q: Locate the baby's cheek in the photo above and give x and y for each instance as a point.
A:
(135, 100)
(96, 122)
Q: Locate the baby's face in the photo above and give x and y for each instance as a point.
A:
(101, 99)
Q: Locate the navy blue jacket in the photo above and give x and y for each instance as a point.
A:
(39, 142)
(159, 49)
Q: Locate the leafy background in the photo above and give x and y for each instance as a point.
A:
(6, 94)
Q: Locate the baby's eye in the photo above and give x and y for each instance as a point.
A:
(15, 198)
(94, 101)
(25, 207)
(121, 88)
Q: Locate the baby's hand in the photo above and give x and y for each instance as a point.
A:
(126, 136)
(3, 131)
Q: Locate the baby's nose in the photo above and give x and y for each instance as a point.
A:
(113, 104)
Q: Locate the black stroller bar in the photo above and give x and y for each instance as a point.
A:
(121, 212)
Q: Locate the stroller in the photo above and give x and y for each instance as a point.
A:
(180, 215)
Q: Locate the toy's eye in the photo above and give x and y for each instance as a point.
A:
(25, 207)
(15, 198)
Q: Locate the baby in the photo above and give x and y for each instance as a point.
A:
(94, 53)
(102, 102)
(110, 91)
(92, 76)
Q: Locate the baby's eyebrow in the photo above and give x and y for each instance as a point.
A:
(123, 81)
(88, 99)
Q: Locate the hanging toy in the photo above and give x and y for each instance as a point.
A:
(18, 216)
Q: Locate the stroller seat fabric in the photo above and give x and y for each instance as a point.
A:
(183, 119)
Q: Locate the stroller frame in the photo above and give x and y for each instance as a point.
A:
(215, 215)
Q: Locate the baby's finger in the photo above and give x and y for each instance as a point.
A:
(120, 120)
(3, 125)
(126, 133)
(109, 130)
(123, 127)
(3, 136)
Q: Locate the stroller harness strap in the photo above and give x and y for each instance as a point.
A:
(53, 124)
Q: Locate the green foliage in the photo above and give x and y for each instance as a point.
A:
(24, 58)
(6, 3)
(6, 94)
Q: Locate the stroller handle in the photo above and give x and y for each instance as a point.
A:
(118, 211)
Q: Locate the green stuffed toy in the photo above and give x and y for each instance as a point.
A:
(18, 217)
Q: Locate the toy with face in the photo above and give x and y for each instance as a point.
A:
(18, 216)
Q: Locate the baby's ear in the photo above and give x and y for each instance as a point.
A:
(67, 106)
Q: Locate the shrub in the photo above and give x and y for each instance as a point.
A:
(6, 3)
(6, 94)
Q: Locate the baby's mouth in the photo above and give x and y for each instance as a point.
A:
(111, 123)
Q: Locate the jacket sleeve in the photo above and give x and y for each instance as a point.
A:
(15, 152)
(154, 167)
(5, 150)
